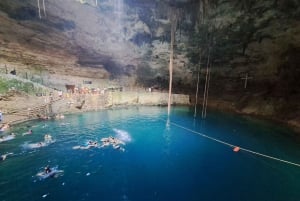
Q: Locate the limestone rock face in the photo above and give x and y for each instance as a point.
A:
(129, 40)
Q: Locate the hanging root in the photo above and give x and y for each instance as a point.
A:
(44, 8)
(38, 3)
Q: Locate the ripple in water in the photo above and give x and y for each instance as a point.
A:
(122, 135)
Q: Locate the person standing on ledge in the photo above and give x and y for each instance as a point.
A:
(1, 116)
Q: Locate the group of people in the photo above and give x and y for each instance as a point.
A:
(115, 142)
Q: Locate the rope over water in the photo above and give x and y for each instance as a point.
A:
(231, 145)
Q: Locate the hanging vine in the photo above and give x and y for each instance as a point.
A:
(44, 7)
(202, 48)
(197, 88)
(39, 8)
(174, 19)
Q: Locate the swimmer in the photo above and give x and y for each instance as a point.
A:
(4, 127)
(49, 172)
(47, 138)
(116, 146)
(104, 144)
(115, 142)
(47, 169)
(105, 140)
(3, 157)
(7, 137)
(82, 147)
(28, 133)
(90, 144)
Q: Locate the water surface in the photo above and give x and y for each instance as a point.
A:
(161, 161)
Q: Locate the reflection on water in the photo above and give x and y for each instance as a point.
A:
(160, 161)
(167, 137)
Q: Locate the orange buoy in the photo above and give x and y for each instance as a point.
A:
(236, 149)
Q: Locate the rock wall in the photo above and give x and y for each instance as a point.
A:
(94, 102)
(128, 41)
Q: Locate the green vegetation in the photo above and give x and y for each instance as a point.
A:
(14, 84)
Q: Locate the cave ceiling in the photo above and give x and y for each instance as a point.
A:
(132, 37)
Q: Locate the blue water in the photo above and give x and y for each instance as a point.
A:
(161, 161)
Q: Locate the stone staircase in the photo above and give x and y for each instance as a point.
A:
(25, 114)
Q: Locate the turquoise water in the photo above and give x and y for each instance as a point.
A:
(161, 161)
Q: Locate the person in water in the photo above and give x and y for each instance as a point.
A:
(4, 127)
(47, 138)
(3, 157)
(47, 169)
(92, 143)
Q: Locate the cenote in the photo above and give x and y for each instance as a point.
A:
(161, 161)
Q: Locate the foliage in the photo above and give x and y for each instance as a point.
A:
(3, 86)
(28, 87)
(230, 27)
(227, 39)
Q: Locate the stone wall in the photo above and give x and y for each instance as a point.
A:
(93, 102)
(146, 98)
